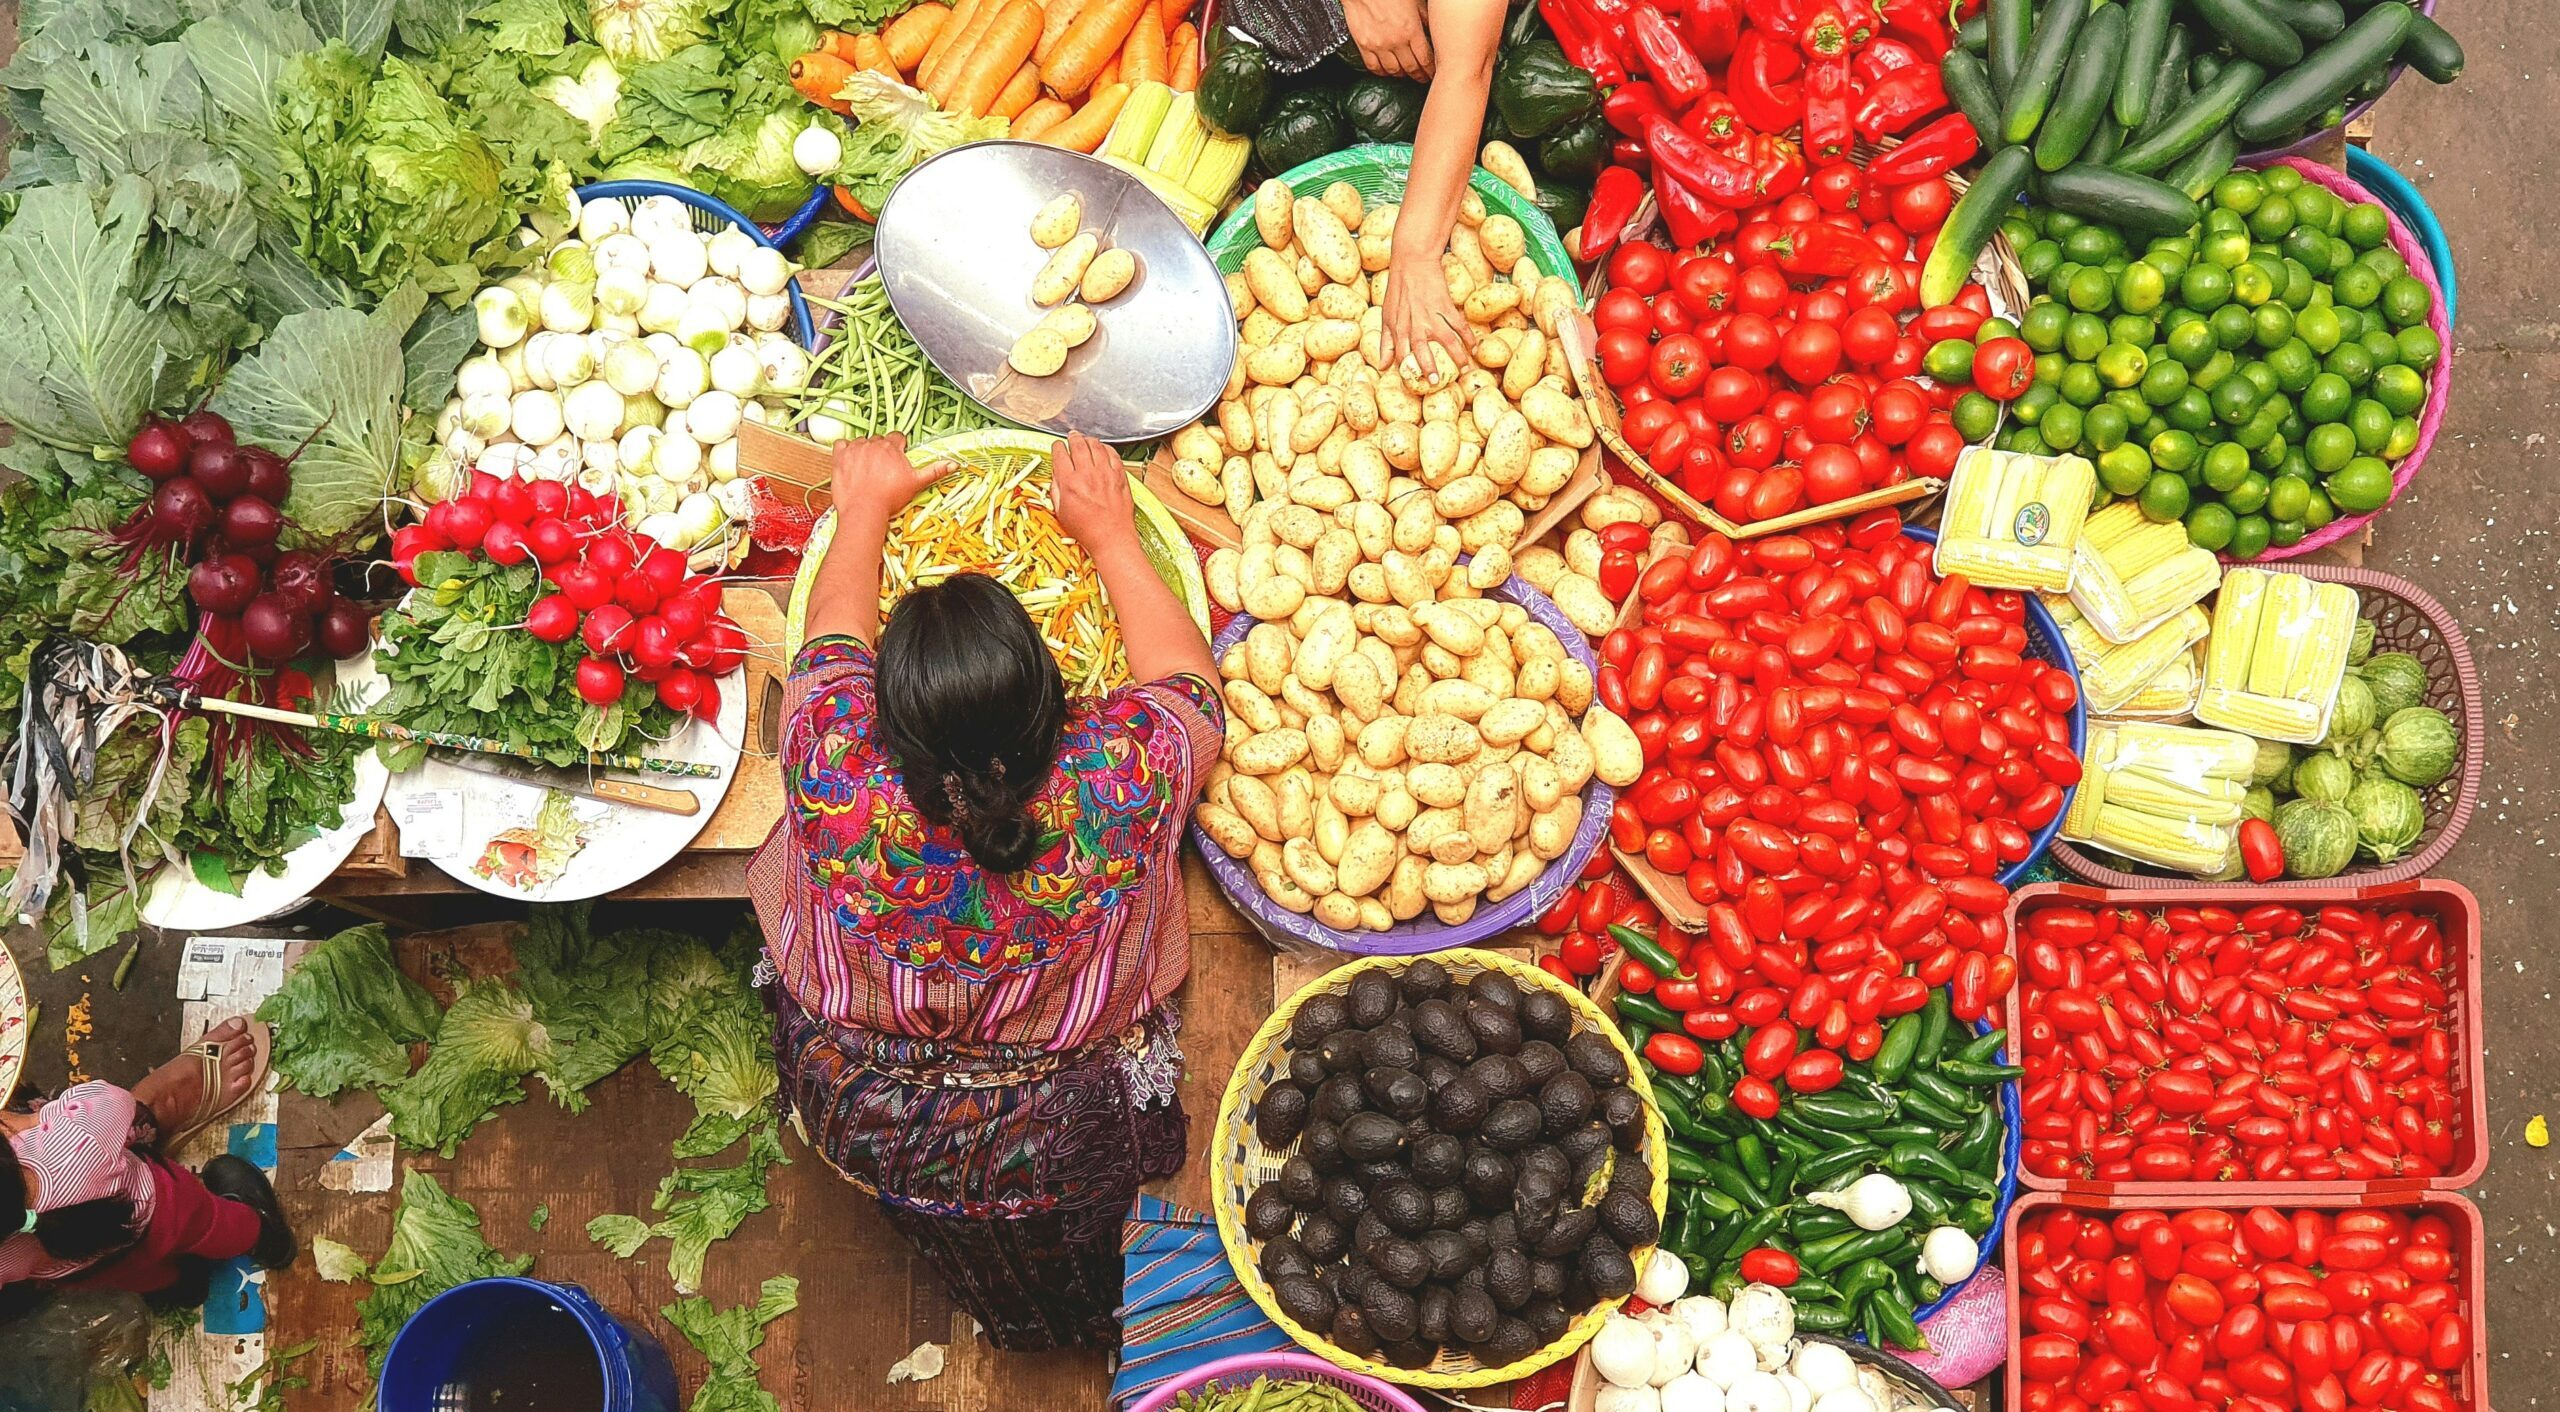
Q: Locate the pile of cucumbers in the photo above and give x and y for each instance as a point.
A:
(2128, 111)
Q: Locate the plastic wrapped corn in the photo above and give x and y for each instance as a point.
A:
(2113, 674)
(2165, 795)
(2014, 521)
(2170, 696)
(2276, 654)
(2133, 573)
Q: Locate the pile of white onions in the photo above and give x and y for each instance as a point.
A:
(1700, 1354)
(626, 362)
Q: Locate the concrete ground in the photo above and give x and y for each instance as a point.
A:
(2477, 529)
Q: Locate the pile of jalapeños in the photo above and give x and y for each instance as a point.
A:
(1925, 1111)
(2128, 111)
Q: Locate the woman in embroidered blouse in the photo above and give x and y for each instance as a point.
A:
(973, 903)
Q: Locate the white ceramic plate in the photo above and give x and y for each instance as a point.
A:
(13, 1024)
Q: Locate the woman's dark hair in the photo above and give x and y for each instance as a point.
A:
(971, 705)
(74, 1232)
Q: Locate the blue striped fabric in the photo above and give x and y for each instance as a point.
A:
(1180, 1306)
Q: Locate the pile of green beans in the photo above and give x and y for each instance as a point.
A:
(1288, 1395)
(873, 378)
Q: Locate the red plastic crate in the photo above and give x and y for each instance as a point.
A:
(2470, 1383)
(2456, 912)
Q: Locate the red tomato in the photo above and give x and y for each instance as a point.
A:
(1760, 290)
(1932, 450)
(1833, 473)
(1896, 411)
(1640, 266)
(1679, 365)
(1811, 352)
(1835, 187)
(1623, 356)
(1704, 285)
(1881, 284)
(1751, 342)
(1622, 308)
(1922, 207)
(1670, 316)
(1753, 442)
(2004, 368)
(1646, 420)
(1868, 335)
(1731, 394)
(1946, 321)
(1823, 306)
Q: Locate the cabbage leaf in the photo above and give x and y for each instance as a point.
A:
(728, 1339)
(330, 383)
(488, 1042)
(346, 1016)
(435, 1244)
(896, 128)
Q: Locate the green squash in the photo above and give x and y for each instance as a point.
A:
(2353, 714)
(2325, 776)
(1563, 202)
(1577, 151)
(1537, 89)
(2274, 758)
(1299, 128)
(2399, 681)
(1383, 109)
(2360, 644)
(2318, 837)
(1234, 87)
(2389, 816)
(2419, 746)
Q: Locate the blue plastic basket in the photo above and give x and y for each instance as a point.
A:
(1986, 1250)
(709, 213)
(2401, 195)
(797, 224)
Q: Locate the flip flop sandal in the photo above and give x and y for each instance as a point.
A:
(210, 1104)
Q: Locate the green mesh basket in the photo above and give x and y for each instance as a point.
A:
(1377, 171)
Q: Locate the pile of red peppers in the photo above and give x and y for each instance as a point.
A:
(1722, 105)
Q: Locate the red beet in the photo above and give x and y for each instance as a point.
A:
(249, 520)
(275, 627)
(205, 428)
(223, 584)
(180, 511)
(270, 478)
(222, 468)
(159, 450)
(345, 630)
(303, 577)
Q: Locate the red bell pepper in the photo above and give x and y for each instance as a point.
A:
(1757, 79)
(1934, 150)
(1826, 34)
(1821, 250)
(1714, 121)
(1615, 194)
(1675, 70)
(1886, 55)
(1610, 22)
(1586, 38)
(1711, 27)
(1691, 220)
(1922, 22)
(1710, 175)
(1828, 92)
(1777, 167)
(1899, 101)
(1779, 19)
(1629, 104)
(1629, 152)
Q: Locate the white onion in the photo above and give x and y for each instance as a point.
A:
(602, 217)
(677, 257)
(677, 458)
(727, 248)
(570, 360)
(537, 361)
(767, 313)
(786, 367)
(484, 415)
(734, 369)
(682, 377)
(765, 270)
(622, 252)
(630, 368)
(722, 462)
(817, 151)
(621, 291)
(535, 417)
(572, 262)
(483, 376)
(501, 317)
(593, 411)
(712, 417)
(636, 447)
(664, 308)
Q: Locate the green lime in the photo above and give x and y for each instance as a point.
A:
(2239, 191)
(2274, 326)
(2352, 362)
(2258, 434)
(2105, 426)
(2122, 365)
(2322, 510)
(2248, 496)
(2272, 219)
(2148, 430)
(2371, 423)
(2361, 486)
(2225, 250)
(2405, 301)
(2308, 247)
(2222, 222)
(2058, 281)
(2035, 402)
(2209, 526)
(2061, 223)
(2093, 244)
(2356, 286)
(2316, 206)
(2037, 259)
(1994, 327)
(2081, 386)
(2327, 398)
(2285, 532)
(2091, 290)
(2329, 447)
(2162, 382)
(2397, 387)
(2385, 262)
(2020, 229)
(1974, 416)
(2283, 180)
(2352, 321)
(2293, 365)
(2164, 497)
(2248, 537)
(2171, 257)
(2288, 498)
(2048, 369)
(2192, 343)
(2419, 347)
(2341, 254)
(2140, 330)
(2043, 326)
(2083, 336)
(2289, 461)
(2234, 325)
(2226, 464)
(2061, 427)
(2261, 377)
(2380, 346)
(2404, 439)
(2216, 368)
(2191, 414)
(1950, 361)
(2318, 326)
(2025, 442)
(2365, 227)
(2254, 283)
(2141, 288)
(2124, 470)
(2175, 451)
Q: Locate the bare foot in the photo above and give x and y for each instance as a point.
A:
(174, 1092)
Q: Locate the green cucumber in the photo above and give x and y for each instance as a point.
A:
(2082, 95)
(2204, 112)
(2432, 51)
(2106, 142)
(2030, 94)
(1974, 35)
(1968, 86)
(2196, 172)
(2011, 23)
(2253, 29)
(2295, 99)
(2146, 38)
(2168, 82)
(2317, 21)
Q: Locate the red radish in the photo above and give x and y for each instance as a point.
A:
(302, 576)
(728, 647)
(636, 591)
(550, 497)
(504, 543)
(276, 628)
(466, 522)
(599, 682)
(585, 586)
(650, 673)
(483, 486)
(694, 654)
(180, 511)
(611, 553)
(708, 707)
(513, 503)
(552, 618)
(680, 690)
(221, 468)
(270, 479)
(409, 541)
(587, 506)
(550, 538)
(205, 428)
(653, 644)
(345, 630)
(608, 629)
(684, 616)
(223, 584)
(159, 450)
(250, 520)
(665, 568)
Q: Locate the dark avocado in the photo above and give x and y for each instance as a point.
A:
(1449, 1207)
(1412, 1353)
(1306, 1070)
(1304, 1300)
(1606, 1266)
(1629, 1219)
(1564, 1104)
(1285, 1257)
(1320, 1016)
(1496, 1030)
(1586, 1145)
(1588, 1167)
(1507, 1277)
(1322, 1145)
(1301, 1183)
(1371, 1137)
(1572, 1227)
(1451, 1255)
(1536, 1199)
(1472, 1315)
(1351, 1282)
(1437, 1070)
(1399, 1262)
(1502, 1075)
(1280, 1116)
(1323, 1238)
(1351, 1331)
(1340, 1053)
(1398, 1093)
(1595, 1059)
(1267, 1212)
(1512, 1341)
(1416, 1128)
(1548, 1159)
(1372, 999)
(1346, 1199)
(1547, 1319)
(1431, 1317)
(1460, 1106)
(1389, 1048)
(1425, 979)
(1405, 1208)
(1495, 989)
(1547, 1277)
(1544, 1015)
(1340, 1097)
(1438, 1027)
(1512, 1124)
(1632, 1174)
(1438, 1160)
(1488, 1178)
(1501, 1229)
(1368, 1232)
(1375, 1174)
(1622, 1108)
(1541, 1061)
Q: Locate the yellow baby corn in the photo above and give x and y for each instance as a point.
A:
(2113, 674)
(2130, 573)
(2170, 696)
(2013, 521)
(2182, 751)
(2276, 654)
(2187, 845)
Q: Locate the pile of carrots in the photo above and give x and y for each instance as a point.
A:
(1058, 70)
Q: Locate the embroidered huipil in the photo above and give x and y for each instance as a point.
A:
(877, 919)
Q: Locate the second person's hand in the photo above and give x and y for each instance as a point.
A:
(1089, 492)
(1419, 314)
(873, 476)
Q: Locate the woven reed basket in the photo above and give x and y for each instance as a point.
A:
(1239, 1163)
(2406, 618)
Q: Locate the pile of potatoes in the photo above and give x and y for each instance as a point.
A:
(1396, 741)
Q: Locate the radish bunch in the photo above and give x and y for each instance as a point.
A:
(648, 623)
(224, 503)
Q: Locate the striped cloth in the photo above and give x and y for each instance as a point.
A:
(1180, 1305)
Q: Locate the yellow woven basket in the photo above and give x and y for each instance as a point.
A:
(1002, 451)
(1239, 1163)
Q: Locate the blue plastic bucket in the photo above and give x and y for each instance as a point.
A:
(2401, 195)
(433, 1355)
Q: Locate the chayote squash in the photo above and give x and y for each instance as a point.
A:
(1383, 109)
(1299, 128)
(1537, 89)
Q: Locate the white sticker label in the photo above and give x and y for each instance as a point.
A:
(431, 824)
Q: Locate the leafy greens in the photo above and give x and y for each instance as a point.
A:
(346, 1016)
(435, 1244)
(727, 1339)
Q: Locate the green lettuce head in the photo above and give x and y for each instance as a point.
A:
(751, 167)
(640, 31)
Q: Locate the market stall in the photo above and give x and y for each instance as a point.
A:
(1874, 482)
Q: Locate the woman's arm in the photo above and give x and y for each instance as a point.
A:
(1465, 34)
(872, 482)
(1090, 488)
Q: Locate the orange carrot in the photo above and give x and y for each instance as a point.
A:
(963, 14)
(940, 79)
(1142, 57)
(1092, 41)
(1176, 11)
(1092, 123)
(1110, 75)
(1018, 92)
(870, 53)
(1182, 59)
(1053, 26)
(819, 76)
(1001, 50)
(853, 208)
(836, 42)
(1040, 117)
(910, 35)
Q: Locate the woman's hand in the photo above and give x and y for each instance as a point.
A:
(873, 478)
(1089, 491)
(1420, 313)
(1390, 36)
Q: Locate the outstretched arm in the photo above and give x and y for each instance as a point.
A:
(872, 482)
(1090, 488)
(1464, 37)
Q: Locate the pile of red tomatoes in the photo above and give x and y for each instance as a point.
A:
(1782, 368)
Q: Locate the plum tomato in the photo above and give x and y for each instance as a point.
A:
(1867, 336)
(1932, 450)
(1896, 411)
(2003, 368)
(1731, 394)
(1837, 412)
(1751, 343)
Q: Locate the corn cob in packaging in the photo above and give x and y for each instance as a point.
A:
(2132, 573)
(2277, 653)
(2170, 696)
(2165, 795)
(2113, 674)
(2014, 521)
